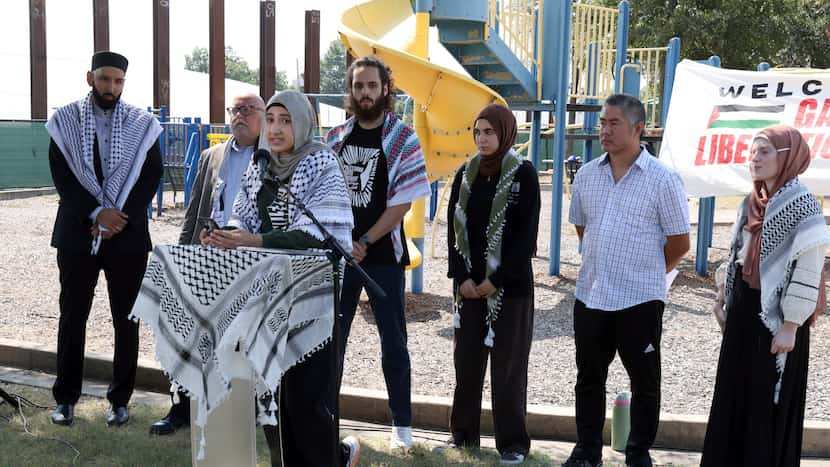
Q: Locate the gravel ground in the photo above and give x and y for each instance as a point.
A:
(691, 341)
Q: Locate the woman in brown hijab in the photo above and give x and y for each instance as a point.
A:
(493, 219)
(770, 289)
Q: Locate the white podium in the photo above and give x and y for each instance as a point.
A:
(230, 431)
(204, 304)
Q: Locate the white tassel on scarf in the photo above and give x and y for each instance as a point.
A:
(488, 341)
(174, 388)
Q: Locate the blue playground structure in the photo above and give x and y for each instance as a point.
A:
(550, 56)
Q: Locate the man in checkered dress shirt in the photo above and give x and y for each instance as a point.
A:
(632, 215)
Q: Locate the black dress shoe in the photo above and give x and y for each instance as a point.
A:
(118, 415)
(168, 425)
(64, 414)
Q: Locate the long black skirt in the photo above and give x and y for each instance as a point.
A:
(746, 428)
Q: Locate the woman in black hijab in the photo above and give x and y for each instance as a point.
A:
(493, 219)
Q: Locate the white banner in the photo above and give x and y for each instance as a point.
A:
(715, 113)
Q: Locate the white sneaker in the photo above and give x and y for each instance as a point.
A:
(353, 445)
(401, 438)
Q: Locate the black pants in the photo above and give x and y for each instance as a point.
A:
(635, 333)
(746, 427)
(508, 373)
(78, 278)
(391, 322)
(181, 409)
(307, 415)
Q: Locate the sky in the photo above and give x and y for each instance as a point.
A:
(69, 44)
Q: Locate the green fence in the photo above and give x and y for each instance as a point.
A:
(24, 154)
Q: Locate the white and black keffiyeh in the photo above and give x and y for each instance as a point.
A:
(318, 183)
(201, 302)
(134, 131)
(495, 230)
(793, 224)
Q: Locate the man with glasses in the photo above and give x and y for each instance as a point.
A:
(220, 171)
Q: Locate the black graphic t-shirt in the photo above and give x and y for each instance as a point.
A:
(367, 179)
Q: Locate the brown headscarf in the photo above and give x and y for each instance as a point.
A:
(793, 159)
(504, 123)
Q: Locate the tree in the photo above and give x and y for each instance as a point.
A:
(742, 32)
(236, 67)
(333, 69)
(281, 80)
(198, 60)
(811, 29)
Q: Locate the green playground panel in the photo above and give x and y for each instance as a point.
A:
(24, 154)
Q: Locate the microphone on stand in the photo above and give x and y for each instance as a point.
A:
(262, 158)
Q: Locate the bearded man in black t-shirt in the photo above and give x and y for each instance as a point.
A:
(385, 173)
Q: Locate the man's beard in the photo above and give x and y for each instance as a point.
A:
(372, 113)
(103, 103)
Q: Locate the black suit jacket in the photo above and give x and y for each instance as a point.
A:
(72, 225)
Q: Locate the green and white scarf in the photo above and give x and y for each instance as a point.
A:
(509, 165)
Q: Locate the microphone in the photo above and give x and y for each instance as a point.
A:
(262, 158)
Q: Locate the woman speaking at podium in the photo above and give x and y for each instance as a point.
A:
(264, 216)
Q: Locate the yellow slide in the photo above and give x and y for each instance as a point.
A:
(447, 100)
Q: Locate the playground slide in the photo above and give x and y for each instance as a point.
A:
(449, 100)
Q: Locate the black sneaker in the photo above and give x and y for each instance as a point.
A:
(571, 462)
(512, 458)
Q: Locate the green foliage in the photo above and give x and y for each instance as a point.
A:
(333, 69)
(811, 27)
(742, 32)
(281, 80)
(236, 67)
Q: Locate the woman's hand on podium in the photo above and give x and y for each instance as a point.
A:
(230, 239)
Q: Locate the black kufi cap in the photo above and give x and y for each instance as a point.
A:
(107, 58)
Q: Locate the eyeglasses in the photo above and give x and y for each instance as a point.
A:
(245, 110)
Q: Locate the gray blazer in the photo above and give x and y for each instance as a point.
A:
(201, 196)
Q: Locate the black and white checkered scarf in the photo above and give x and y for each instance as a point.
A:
(134, 131)
(202, 302)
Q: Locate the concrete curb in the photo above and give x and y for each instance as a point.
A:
(684, 432)
(20, 193)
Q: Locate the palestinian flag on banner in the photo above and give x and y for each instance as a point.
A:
(745, 116)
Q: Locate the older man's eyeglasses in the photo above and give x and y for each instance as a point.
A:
(245, 110)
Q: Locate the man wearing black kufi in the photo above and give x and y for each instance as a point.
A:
(106, 165)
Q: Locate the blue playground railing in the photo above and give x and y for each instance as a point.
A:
(182, 141)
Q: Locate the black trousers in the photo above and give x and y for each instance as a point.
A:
(78, 278)
(746, 427)
(508, 373)
(307, 414)
(635, 333)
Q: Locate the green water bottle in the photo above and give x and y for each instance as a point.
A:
(621, 421)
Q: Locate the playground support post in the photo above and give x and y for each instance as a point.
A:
(161, 54)
(672, 59)
(311, 72)
(216, 53)
(559, 13)
(536, 139)
(536, 116)
(590, 123)
(100, 25)
(433, 201)
(267, 44)
(705, 215)
(622, 39)
(422, 12)
(37, 58)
